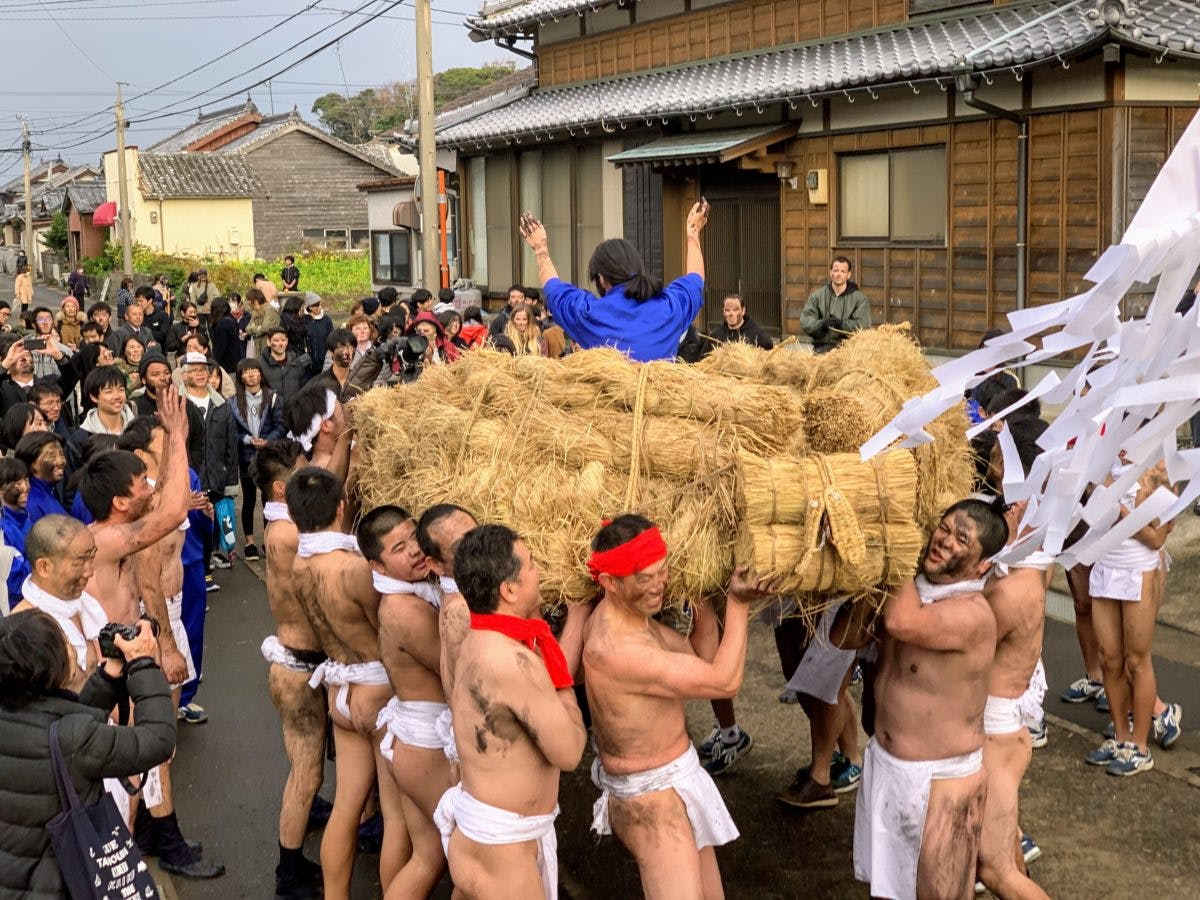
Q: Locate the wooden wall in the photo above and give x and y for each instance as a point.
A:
(704, 34)
(953, 294)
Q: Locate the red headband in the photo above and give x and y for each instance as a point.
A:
(634, 555)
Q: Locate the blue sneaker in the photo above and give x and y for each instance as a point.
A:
(1104, 754)
(1166, 725)
(705, 747)
(1102, 702)
(1130, 761)
(1039, 735)
(1110, 730)
(193, 714)
(1083, 690)
(845, 778)
(1029, 849)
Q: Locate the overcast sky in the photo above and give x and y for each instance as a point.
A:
(56, 83)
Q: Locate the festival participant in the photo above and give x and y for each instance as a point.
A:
(42, 453)
(516, 723)
(334, 585)
(924, 760)
(317, 421)
(411, 653)
(634, 312)
(655, 797)
(1017, 597)
(294, 652)
(118, 495)
(61, 554)
(14, 493)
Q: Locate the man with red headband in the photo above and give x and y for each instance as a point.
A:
(516, 724)
(640, 673)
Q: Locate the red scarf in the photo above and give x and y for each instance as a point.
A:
(534, 634)
(634, 555)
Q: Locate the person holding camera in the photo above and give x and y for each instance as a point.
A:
(38, 667)
(835, 309)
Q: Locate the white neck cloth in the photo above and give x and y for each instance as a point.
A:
(449, 585)
(306, 438)
(85, 606)
(931, 593)
(276, 512)
(428, 592)
(317, 542)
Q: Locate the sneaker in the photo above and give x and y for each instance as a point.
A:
(1083, 690)
(1102, 702)
(787, 695)
(193, 714)
(251, 552)
(856, 675)
(706, 747)
(725, 755)
(804, 793)
(1129, 761)
(1104, 754)
(1039, 735)
(845, 778)
(210, 586)
(319, 813)
(218, 561)
(1110, 730)
(1029, 849)
(1166, 726)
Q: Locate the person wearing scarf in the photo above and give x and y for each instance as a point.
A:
(516, 722)
(924, 762)
(639, 676)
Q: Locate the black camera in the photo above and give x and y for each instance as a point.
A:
(108, 646)
(408, 350)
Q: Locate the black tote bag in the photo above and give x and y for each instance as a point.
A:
(96, 854)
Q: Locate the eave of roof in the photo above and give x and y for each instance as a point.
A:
(496, 19)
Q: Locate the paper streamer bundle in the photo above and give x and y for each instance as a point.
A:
(552, 447)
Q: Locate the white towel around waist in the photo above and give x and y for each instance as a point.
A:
(1031, 701)
(1002, 715)
(712, 825)
(412, 722)
(274, 651)
(445, 730)
(486, 824)
(345, 674)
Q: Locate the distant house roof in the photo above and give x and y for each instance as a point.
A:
(489, 97)
(36, 174)
(85, 172)
(85, 196)
(1012, 36)
(272, 130)
(200, 175)
(207, 125)
(511, 16)
(388, 184)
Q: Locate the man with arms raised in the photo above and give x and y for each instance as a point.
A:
(411, 653)
(294, 652)
(334, 586)
(656, 797)
(516, 723)
(920, 807)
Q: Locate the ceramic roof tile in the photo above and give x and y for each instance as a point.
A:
(507, 16)
(205, 125)
(197, 175)
(86, 196)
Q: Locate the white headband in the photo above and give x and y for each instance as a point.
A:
(307, 437)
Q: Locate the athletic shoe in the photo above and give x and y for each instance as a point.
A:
(980, 889)
(804, 793)
(787, 695)
(218, 561)
(1102, 702)
(856, 675)
(251, 552)
(1038, 735)
(1029, 849)
(725, 755)
(1130, 761)
(1166, 725)
(193, 714)
(1104, 754)
(1083, 690)
(706, 747)
(210, 587)
(845, 778)
(1110, 730)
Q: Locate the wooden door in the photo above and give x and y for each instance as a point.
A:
(741, 246)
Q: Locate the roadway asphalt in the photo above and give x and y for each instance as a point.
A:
(1102, 836)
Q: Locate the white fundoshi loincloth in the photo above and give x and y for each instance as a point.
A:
(1030, 703)
(889, 819)
(273, 651)
(412, 722)
(485, 824)
(175, 615)
(445, 730)
(1002, 715)
(712, 825)
(823, 666)
(342, 675)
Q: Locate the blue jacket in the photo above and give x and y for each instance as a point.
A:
(42, 501)
(271, 426)
(80, 511)
(16, 525)
(200, 527)
(645, 329)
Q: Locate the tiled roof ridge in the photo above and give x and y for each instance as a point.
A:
(517, 15)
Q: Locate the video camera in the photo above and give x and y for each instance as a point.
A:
(406, 349)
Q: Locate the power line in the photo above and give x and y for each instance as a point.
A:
(67, 35)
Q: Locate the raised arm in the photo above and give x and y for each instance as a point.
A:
(534, 234)
(696, 219)
(149, 579)
(951, 624)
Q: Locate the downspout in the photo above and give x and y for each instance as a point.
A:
(967, 86)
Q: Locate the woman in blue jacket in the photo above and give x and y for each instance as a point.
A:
(258, 416)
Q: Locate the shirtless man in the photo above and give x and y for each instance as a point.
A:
(924, 762)
(656, 798)
(439, 530)
(516, 723)
(334, 586)
(317, 419)
(411, 653)
(1017, 596)
(61, 554)
(294, 653)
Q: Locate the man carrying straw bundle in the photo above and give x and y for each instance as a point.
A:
(635, 312)
(656, 798)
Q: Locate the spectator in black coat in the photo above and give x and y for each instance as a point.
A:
(258, 418)
(154, 372)
(189, 324)
(737, 327)
(285, 371)
(227, 344)
(319, 328)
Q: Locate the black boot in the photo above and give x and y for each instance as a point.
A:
(177, 857)
(319, 813)
(296, 877)
(144, 831)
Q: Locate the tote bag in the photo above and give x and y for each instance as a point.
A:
(96, 854)
(224, 511)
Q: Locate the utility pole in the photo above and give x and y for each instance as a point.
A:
(28, 231)
(427, 152)
(123, 190)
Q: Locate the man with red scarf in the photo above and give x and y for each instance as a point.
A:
(516, 724)
(656, 797)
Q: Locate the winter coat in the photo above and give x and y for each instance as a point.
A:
(749, 333)
(203, 296)
(318, 333)
(116, 339)
(92, 749)
(146, 405)
(297, 332)
(262, 320)
(270, 425)
(227, 347)
(220, 469)
(852, 307)
(287, 377)
(178, 334)
(69, 327)
(159, 323)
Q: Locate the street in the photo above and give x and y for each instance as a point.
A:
(1101, 836)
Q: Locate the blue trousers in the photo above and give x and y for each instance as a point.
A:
(195, 598)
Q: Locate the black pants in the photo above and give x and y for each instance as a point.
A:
(249, 500)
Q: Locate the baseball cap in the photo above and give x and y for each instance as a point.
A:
(195, 359)
(311, 299)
